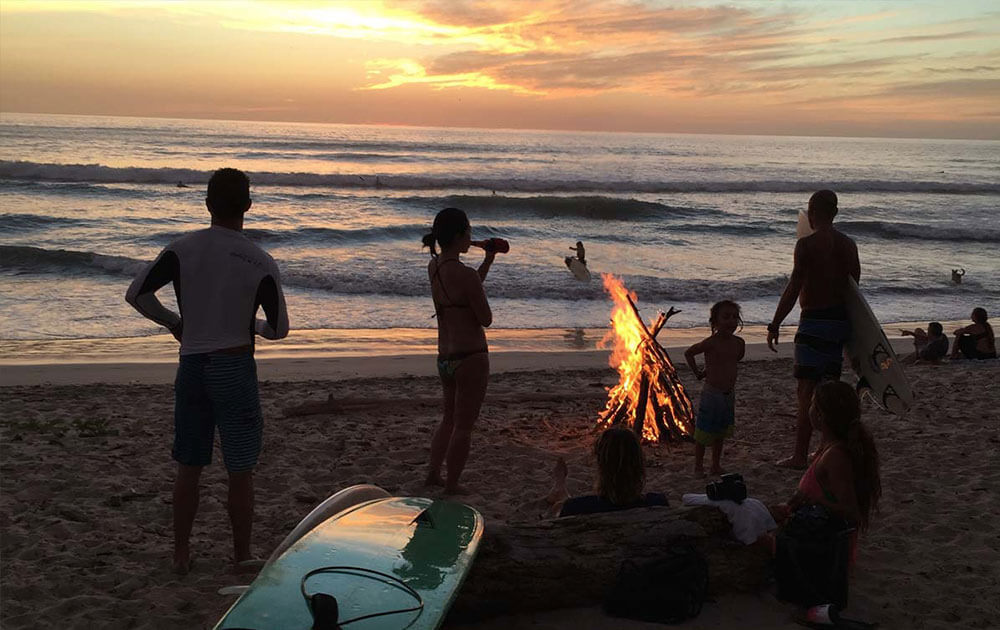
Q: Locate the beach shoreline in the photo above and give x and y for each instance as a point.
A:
(352, 353)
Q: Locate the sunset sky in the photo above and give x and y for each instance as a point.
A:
(917, 69)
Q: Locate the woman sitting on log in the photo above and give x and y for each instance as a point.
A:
(621, 477)
(844, 475)
(463, 362)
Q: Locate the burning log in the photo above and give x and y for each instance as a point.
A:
(649, 395)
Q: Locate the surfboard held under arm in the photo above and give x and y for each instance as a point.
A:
(880, 374)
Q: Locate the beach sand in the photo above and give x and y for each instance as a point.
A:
(86, 475)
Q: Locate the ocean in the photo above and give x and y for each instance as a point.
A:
(685, 220)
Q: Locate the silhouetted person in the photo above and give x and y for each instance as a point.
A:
(975, 341)
(220, 279)
(581, 253)
(824, 261)
(956, 275)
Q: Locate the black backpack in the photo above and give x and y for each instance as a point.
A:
(811, 555)
(668, 589)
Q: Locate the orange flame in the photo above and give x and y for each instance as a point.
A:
(649, 396)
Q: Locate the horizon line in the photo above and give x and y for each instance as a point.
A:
(479, 128)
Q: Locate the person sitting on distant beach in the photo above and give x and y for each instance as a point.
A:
(717, 411)
(844, 475)
(824, 261)
(463, 363)
(931, 345)
(221, 279)
(581, 253)
(975, 341)
(621, 477)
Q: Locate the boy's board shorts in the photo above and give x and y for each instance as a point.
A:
(217, 390)
(819, 343)
(716, 416)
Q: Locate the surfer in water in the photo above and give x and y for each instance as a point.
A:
(581, 253)
(823, 263)
(221, 280)
(463, 363)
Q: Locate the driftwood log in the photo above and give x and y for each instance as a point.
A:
(573, 561)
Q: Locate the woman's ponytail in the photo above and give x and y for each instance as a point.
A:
(428, 241)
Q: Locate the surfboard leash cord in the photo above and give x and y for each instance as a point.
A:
(371, 574)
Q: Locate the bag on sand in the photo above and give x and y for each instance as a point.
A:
(812, 551)
(669, 589)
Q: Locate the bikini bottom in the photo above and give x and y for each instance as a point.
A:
(448, 364)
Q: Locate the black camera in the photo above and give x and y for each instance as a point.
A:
(730, 487)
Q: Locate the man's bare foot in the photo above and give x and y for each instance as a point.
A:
(717, 471)
(455, 489)
(793, 463)
(434, 479)
(699, 471)
(182, 563)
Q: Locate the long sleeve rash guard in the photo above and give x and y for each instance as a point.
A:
(220, 279)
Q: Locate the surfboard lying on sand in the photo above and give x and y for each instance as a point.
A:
(880, 374)
(579, 270)
(390, 563)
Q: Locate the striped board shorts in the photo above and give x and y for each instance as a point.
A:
(819, 343)
(217, 390)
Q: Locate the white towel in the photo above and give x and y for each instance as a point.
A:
(749, 519)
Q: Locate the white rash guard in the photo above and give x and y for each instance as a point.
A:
(220, 279)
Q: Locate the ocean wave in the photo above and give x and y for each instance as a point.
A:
(63, 261)
(892, 230)
(19, 222)
(97, 173)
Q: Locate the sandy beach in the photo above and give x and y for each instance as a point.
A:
(86, 479)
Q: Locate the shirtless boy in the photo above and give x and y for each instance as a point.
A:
(717, 411)
(220, 279)
(823, 263)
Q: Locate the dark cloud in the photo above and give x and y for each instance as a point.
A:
(932, 37)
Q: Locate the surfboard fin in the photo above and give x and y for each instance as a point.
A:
(325, 611)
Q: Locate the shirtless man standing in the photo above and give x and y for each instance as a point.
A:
(220, 279)
(823, 263)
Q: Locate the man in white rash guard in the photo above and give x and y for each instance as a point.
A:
(220, 279)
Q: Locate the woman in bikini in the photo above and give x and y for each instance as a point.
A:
(844, 475)
(976, 341)
(463, 362)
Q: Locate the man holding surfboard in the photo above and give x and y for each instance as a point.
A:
(824, 262)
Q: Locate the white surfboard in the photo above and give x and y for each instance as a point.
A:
(880, 374)
(578, 269)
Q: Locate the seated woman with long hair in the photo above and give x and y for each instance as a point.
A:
(621, 477)
(977, 340)
(844, 475)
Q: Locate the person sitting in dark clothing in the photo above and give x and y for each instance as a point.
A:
(621, 477)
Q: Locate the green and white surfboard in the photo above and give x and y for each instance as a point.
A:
(383, 555)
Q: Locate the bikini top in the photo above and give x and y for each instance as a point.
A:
(437, 305)
(811, 486)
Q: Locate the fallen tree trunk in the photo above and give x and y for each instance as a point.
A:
(573, 561)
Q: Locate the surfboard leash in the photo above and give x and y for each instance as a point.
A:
(325, 609)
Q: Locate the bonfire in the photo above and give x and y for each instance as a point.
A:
(649, 397)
